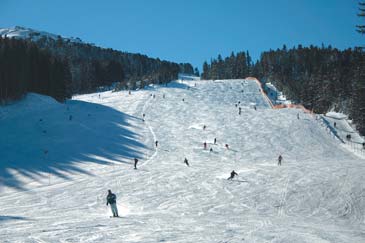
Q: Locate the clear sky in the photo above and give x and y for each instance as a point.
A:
(191, 30)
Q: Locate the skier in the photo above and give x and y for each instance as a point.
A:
(156, 143)
(255, 107)
(227, 147)
(154, 96)
(205, 145)
(183, 100)
(233, 174)
(211, 150)
(143, 115)
(298, 116)
(186, 162)
(204, 127)
(163, 96)
(70, 118)
(363, 145)
(239, 110)
(112, 200)
(334, 124)
(280, 158)
(215, 140)
(129, 92)
(135, 163)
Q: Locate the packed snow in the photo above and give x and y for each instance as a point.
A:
(59, 160)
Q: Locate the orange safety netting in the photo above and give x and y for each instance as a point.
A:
(281, 106)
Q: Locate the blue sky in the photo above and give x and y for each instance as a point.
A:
(191, 30)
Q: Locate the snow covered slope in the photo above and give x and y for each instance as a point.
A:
(34, 35)
(317, 195)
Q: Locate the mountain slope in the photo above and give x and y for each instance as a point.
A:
(315, 196)
(33, 35)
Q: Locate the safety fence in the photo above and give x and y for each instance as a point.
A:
(356, 147)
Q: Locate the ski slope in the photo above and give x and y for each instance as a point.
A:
(317, 195)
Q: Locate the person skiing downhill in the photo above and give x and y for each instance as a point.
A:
(215, 140)
(112, 200)
(233, 174)
(135, 163)
(205, 145)
(227, 146)
(156, 143)
(186, 162)
(280, 158)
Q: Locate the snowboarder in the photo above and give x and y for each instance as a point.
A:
(135, 163)
(280, 158)
(233, 174)
(205, 145)
(112, 200)
(215, 140)
(186, 162)
(156, 143)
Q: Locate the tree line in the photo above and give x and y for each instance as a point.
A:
(26, 68)
(93, 66)
(60, 68)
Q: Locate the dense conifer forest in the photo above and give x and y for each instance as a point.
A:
(60, 68)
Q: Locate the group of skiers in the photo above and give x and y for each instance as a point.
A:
(111, 197)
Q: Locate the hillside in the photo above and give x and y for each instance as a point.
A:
(89, 66)
(54, 183)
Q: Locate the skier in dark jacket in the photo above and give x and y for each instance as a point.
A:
(280, 158)
(112, 200)
(233, 174)
(186, 162)
(156, 143)
(135, 163)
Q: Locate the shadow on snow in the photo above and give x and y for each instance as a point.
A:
(59, 140)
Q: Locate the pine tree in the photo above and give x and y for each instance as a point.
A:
(359, 84)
